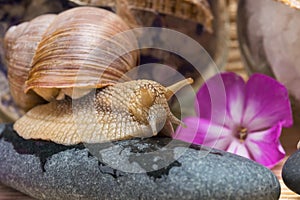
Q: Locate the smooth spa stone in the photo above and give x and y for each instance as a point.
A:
(153, 168)
(291, 172)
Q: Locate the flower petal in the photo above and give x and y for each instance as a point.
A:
(238, 148)
(201, 131)
(267, 103)
(264, 146)
(221, 99)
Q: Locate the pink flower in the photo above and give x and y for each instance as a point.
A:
(241, 118)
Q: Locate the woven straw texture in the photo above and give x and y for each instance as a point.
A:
(289, 136)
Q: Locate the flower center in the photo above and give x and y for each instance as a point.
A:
(242, 134)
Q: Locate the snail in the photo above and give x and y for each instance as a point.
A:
(64, 60)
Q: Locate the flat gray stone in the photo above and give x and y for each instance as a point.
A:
(153, 168)
(291, 172)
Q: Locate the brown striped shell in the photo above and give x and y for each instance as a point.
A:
(53, 54)
(24, 38)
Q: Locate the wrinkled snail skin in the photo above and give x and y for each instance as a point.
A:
(125, 110)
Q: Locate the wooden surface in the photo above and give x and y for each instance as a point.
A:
(289, 136)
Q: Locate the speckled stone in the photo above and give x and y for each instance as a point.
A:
(45, 170)
(291, 172)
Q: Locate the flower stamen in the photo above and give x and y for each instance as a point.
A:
(242, 133)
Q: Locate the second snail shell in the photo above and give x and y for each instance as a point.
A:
(59, 57)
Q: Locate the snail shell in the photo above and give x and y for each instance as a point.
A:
(20, 44)
(53, 54)
(76, 51)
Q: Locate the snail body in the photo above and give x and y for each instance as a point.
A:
(78, 66)
(125, 110)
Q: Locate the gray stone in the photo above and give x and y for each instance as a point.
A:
(153, 168)
(291, 172)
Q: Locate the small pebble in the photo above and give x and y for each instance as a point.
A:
(291, 172)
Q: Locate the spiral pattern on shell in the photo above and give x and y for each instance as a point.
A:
(52, 54)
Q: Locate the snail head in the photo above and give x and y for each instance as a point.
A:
(149, 105)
